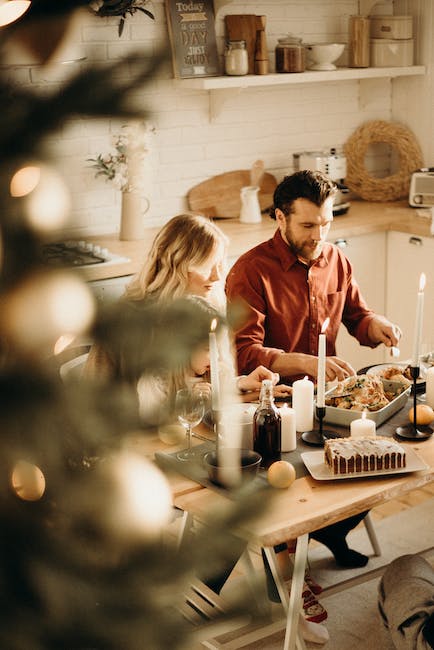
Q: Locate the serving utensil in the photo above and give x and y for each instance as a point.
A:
(256, 173)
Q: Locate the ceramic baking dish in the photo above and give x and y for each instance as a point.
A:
(344, 417)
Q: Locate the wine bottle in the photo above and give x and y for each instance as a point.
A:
(267, 426)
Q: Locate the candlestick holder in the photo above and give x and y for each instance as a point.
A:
(216, 417)
(316, 437)
(412, 431)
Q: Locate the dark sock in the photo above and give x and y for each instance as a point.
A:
(351, 559)
(344, 556)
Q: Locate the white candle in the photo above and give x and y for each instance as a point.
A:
(430, 387)
(302, 402)
(320, 391)
(288, 430)
(419, 321)
(214, 367)
(362, 427)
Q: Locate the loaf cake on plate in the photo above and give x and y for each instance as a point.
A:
(350, 455)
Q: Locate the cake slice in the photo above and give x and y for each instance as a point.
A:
(351, 455)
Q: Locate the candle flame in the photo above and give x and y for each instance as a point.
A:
(325, 325)
(305, 378)
(363, 417)
(213, 325)
(422, 281)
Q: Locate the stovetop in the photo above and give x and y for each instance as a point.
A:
(78, 253)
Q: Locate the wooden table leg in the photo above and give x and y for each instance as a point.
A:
(295, 598)
(184, 528)
(291, 602)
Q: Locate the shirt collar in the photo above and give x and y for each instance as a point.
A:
(287, 257)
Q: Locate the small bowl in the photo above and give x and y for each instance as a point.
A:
(250, 462)
(321, 55)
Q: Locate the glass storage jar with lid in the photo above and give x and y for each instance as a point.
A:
(236, 58)
(290, 54)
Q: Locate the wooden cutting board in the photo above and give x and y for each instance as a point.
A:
(219, 196)
(245, 27)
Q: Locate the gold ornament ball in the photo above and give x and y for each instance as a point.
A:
(424, 414)
(27, 480)
(281, 474)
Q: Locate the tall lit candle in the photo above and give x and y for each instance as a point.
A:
(214, 367)
(302, 402)
(362, 427)
(419, 321)
(320, 391)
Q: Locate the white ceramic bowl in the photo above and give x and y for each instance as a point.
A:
(321, 55)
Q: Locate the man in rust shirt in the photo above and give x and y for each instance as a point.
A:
(291, 283)
(288, 286)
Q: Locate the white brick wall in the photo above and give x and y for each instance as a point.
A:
(266, 122)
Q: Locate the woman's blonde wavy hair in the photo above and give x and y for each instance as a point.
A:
(186, 240)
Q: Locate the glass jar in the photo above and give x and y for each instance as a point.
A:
(290, 55)
(236, 58)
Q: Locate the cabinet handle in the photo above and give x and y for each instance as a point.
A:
(416, 241)
(341, 243)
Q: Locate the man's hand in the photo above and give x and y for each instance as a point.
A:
(337, 368)
(295, 363)
(381, 330)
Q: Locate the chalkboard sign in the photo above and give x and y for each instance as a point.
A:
(192, 37)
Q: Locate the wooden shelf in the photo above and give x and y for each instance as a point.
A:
(310, 76)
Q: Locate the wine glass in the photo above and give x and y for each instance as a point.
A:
(190, 408)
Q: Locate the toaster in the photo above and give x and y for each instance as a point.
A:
(421, 194)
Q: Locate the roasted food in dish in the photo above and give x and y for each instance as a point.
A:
(394, 373)
(360, 393)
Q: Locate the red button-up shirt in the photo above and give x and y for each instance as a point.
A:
(285, 302)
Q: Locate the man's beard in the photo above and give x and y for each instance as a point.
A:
(305, 252)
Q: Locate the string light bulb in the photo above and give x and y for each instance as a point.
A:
(11, 10)
(47, 198)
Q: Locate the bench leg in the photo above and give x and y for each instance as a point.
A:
(372, 535)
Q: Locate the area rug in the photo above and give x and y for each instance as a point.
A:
(353, 619)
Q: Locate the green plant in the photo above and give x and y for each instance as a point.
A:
(120, 8)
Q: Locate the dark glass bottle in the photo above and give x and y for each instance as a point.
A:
(267, 426)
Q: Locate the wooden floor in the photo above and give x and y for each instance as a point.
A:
(397, 505)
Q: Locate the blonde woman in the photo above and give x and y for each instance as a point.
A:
(187, 258)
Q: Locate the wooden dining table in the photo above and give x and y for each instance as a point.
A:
(310, 504)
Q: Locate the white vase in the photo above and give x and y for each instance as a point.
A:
(132, 226)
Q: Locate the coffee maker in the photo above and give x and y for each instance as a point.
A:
(333, 165)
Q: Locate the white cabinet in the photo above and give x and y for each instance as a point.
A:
(367, 254)
(111, 289)
(408, 257)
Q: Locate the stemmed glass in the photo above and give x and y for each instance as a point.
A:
(190, 409)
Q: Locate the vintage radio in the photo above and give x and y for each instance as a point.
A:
(421, 193)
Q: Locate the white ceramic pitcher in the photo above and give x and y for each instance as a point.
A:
(250, 209)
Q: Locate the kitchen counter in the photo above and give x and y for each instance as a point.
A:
(362, 218)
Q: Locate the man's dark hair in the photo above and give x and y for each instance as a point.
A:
(311, 185)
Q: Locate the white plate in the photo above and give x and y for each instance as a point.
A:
(375, 370)
(314, 461)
